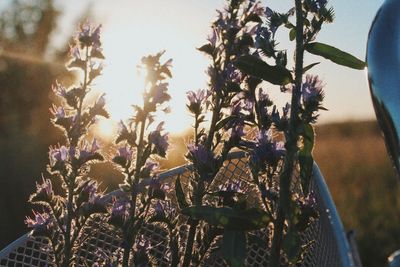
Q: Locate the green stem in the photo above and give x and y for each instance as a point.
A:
(189, 244)
(291, 143)
(128, 236)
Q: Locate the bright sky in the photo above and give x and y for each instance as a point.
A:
(133, 28)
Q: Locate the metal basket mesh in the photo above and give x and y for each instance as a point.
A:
(102, 240)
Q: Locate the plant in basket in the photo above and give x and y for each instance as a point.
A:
(215, 216)
(141, 142)
(278, 143)
(61, 217)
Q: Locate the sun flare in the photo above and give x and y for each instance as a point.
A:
(127, 40)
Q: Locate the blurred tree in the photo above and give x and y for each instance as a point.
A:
(26, 74)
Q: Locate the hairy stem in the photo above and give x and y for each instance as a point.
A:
(291, 142)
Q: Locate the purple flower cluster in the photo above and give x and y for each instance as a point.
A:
(204, 161)
(312, 89)
(265, 152)
(44, 191)
(89, 35)
(40, 223)
(159, 141)
(120, 212)
(197, 101)
(58, 155)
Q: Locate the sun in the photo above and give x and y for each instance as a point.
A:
(125, 41)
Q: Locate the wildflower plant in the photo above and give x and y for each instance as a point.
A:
(235, 112)
(242, 47)
(141, 143)
(62, 216)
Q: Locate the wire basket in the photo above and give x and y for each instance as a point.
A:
(330, 246)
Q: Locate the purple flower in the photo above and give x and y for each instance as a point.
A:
(90, 190)
(59, 90)
(100, 102)
(159, 141)
(75, 53)
(41, 221)
(120, 211)
(241, 105)
(89, 35)
(58, 155)
(150, 166)
(157, 189)
(204, 161)
(44, 191)
(312, 89)
(58, 112)
(258, 9)
(232, 74)
(197, 99)
(214, 36)
(159, 93)
(310, 200)
(237, 132)
(125, 152)
(88, 151)
(266, 152)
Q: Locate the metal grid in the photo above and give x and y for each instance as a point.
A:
(330, 247)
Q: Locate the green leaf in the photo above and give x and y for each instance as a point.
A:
(180, 195)
(255, 66)
(292, 244)
(234, 247)
(338, 56)
(292, 34)
(306, 160)
(307, 68)
(229, 218)
(207, 48)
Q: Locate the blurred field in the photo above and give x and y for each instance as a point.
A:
(363, 184)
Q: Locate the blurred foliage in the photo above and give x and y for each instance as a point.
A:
(353, 159)
(25, 84)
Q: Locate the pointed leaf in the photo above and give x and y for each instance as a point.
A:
(207, 48)
(292, 34)
(255, 66)
(180, 195)
(338, 56)
(307, 68)
(224, 122)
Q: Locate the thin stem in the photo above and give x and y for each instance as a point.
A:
(291, 143)
(72, 178)
(129, 236)
(189, 244)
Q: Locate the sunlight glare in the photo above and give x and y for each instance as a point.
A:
(133, 36)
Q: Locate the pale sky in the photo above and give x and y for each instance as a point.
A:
(135, 28)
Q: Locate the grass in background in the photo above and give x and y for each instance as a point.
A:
(364, 186)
